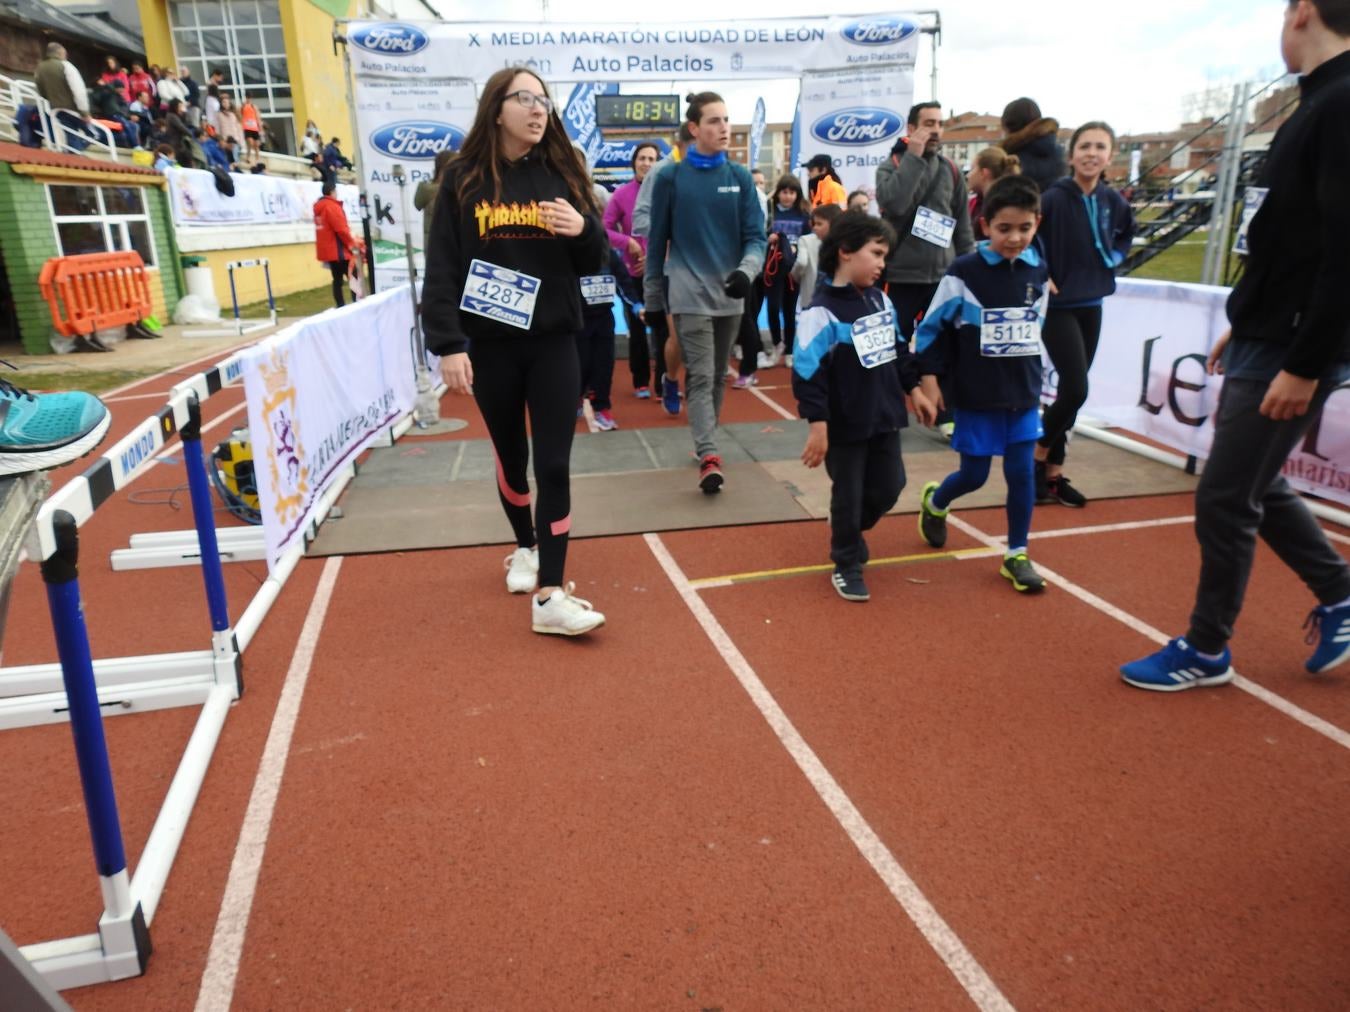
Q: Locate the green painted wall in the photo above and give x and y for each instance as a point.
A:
(28, 240)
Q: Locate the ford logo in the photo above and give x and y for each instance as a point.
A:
(416, 139)
(878, 31)
(857, 126)
(391, 39)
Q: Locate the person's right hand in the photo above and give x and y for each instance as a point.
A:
(634, 248)
(1214, 363)
(918, 141)
(457, 372)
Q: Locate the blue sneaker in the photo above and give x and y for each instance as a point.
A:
(42, 431)
(1330, 627)
(670, 395)
(1177, 666)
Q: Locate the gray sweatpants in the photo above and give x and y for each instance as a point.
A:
(1242, 493)
(705, 344)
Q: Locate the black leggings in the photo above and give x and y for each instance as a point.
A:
(539, 375)
(339, 269)
(750, 342)
(1070, 337)
(780, 295)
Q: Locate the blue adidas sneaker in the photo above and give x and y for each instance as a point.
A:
(1177, 666)
(42, 431)
(1330, 629)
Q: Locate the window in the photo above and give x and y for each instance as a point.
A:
(101, 219)
(243, 38)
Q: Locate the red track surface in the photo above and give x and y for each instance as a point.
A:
(471, 815)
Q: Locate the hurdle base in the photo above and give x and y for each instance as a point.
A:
(36, 694)
(119, 950)
(162, 549)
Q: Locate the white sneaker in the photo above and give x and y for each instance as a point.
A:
(766, 360)
(522, 570)
(565, 615)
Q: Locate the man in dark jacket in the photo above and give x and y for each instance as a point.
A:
(922, 195)
(1034, 139)
(1286, 352)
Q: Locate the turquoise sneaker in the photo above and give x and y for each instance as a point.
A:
(42, 431)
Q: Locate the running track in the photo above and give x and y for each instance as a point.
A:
(742, 793)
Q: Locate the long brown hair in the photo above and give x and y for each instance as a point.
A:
(481, 153)
(791, 182)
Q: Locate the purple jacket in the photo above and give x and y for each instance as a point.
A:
(619, 223)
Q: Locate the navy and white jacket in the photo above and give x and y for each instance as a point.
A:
(976, 330)
(830, 382)
(1085, 238)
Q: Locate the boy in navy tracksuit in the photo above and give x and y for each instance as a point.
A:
(850, 372)
(983, 332)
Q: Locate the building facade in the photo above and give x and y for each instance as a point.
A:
(278, 53)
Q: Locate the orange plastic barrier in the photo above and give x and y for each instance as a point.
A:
(92, 291)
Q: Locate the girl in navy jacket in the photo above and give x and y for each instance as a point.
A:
(1086, 232)
(789, 219)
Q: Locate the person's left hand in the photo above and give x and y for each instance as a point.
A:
(562, 218)
(926, 411)
(817, 444)
(1288, 396)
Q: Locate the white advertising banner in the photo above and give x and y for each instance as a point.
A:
(748, 49)
(1149, 377)
(406, 123)
(257, 200)
(855, 117)
(319, 392)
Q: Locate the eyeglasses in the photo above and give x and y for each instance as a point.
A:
(529, 100)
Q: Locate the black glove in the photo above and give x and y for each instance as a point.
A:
(737, 284)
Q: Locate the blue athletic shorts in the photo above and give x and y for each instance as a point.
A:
(990, 433)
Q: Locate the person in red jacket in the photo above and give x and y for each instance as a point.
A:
(333, 240)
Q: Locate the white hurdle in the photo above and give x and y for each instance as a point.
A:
(240, 329)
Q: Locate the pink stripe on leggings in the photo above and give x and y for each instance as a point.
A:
(560, 527)
(508, 493)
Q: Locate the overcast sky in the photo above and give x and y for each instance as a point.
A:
(1130, 64)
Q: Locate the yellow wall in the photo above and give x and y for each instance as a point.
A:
(293, 269)
(317, 81)
(155, 31)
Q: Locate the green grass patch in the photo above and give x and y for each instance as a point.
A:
(94, 381)
(1183, 262)
(306, 303)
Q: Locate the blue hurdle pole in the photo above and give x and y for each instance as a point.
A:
(267, 279)
(234, 298)
(203, 516)
(61, 574)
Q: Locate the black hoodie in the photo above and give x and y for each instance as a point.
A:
(1293, 291)
(506, 232)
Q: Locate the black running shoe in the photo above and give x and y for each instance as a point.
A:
(710, 478)
(1065, 494)
(849, 584)
(1043, 496)
(932, 524)
(1019, 571)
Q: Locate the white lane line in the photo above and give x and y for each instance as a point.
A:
(217, 355)
(1133, 525)
(950, 949)
(782, 411)
(1308, 720)
(135, 397)
(227, 942)
(651, 453)
(459, 459)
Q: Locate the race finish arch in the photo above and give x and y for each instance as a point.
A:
(414, 87)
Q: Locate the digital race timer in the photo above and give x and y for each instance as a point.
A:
(653, 111)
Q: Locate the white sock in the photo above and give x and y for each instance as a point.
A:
(1013, 552)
